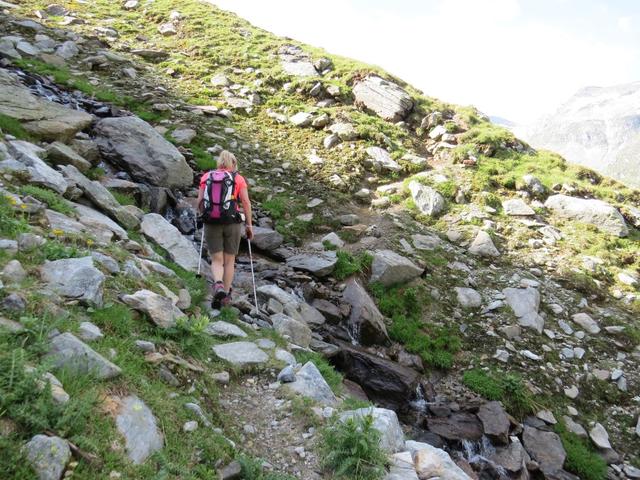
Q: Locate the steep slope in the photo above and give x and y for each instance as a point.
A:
(469, 267)
(599, 128)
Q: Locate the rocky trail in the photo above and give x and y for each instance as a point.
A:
(412, 261)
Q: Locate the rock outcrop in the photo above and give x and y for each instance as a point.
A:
(595, 212)
(385, 98)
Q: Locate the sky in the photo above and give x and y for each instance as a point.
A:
(518, 59)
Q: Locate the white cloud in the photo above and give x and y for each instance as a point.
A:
(464, 51)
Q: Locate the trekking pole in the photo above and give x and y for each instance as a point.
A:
(253, 277)
(200, 257)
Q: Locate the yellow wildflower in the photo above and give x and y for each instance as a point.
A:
(57, 232)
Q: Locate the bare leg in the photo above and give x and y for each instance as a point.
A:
(229, 269)
(217, 266)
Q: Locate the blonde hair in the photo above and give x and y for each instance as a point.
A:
(227, 161)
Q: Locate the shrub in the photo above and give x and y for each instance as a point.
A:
(351, 449)
(331, 376)
(447, 189)
(508, 388)
(349, 264)
(55, 250)
(11, 126)
(435, 344)
(252, 469)
(276, 207)
(52, 199)
(581, 459)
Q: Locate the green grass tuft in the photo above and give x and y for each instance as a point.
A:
(349, 264)
(11, 126)
(581, 459)
(51, 198)
(508, 388)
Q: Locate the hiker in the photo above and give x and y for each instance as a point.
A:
(218, 197)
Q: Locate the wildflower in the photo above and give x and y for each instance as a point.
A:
(23, 206)
(89, 242)
(57, 232)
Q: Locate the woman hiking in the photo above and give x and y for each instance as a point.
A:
(218, 196)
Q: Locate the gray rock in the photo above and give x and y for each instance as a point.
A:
(9, 246)
(525, 303)
(27, 242)
(595, 212)
(298, 332)
(13, 273)
(385, 98)
(333, 239)
(285, 357)
(533, 185)
(89, 332)
(110, 264)
(545, 448)
(587, 323)
(427, 199)
(180, 249)
(68, 352)
(301, 119)
(137, 424)
(160, 309)
(483, 246)
(434, 463)
(224, 329)
(348, 219)
(10, 326)
(320, 265)
(426, 242)
(574, 427)
(365, 319)
(67, 50)
(232, 471)
(495, 422)
(145, 346)
(39, 173)
(48, 456)
(40, 117)
(92, 219)
(14, 302)
(389, 268)
(600, 437)
(468, 297)
(386, 422)
(517, 207)
(266, 238)
(345, 131)
(100, 196)
(75, 279)
(311, 384)
(381, 159)
(137, 147)
(184, 136)
(331, 141)
(401, 467)
(60, 154)
(513, 458)
(241, 354)
(287, 375)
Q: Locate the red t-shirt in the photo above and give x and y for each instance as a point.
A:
(240, 184)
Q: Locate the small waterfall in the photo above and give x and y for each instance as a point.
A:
(478, 455)
(420, 403)
(354, 333)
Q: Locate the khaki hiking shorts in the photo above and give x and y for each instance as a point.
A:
(223, 238)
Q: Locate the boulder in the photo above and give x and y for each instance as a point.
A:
(320, 265)
(545, 448)
(483, 246)
(386, 422)
(224, 329)
(600, 437)
(387, 383)
(297, 332)
(68, 352)
(60, 154)
(100, 196)
(160, 310)
(426, 242)
(516, 207)
(495, 422)
(42, 118)
(458, 426)
(93, 219)
(587, 323)
(138, 148)
(389, 268)
(30, 157)
(74, 279)
(595, 212)
(137, 424)
(311, 384)
(381, 160)
(525, 303)
(89, 332)
(48, 456)
(266, 238)
(241, 354)
(365, 320)
(301, 119)
(431, 462)
(345, 131)
(512, 458)
(427, 199)
(401, 467)
(468, 297)
(13, 272)
(179, 248)
(385, 98)
(184, 136)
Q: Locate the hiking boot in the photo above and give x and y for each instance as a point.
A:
(218, 295)
(226, 301)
